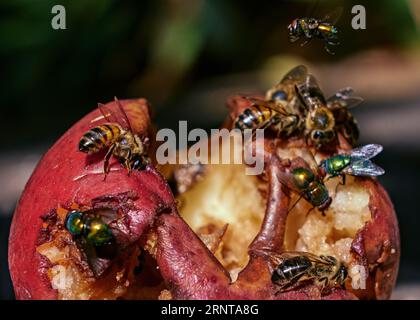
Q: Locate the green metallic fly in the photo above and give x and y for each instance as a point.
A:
(356, 163)
(89, 227)
(308, 183)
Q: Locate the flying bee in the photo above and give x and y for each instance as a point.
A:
(88, 226)
(311, 28)
(293, 268)
(281, 109)
(118, 136)
(356, 163)
(308, 183)
(324, 117)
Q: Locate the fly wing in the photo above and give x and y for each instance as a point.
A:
(344, 98)
(364, 168)
(333, 16)
(287, 180)
(366, 152)
(116, 115)
(297, 74)
(310, 160)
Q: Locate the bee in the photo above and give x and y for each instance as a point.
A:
(284, 91)
(263, 114)
(308, 183)
(88, 226)
(324, 117)
(311, 28)
(356, 163)
(116, 135)
(293, 268)
(281, 108)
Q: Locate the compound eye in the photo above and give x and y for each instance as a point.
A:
(74, 223)
(279, 95)
(317, 135)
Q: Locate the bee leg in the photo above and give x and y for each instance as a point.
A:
(290, 283)
(324, 284)
(106, 161)
(127, 164)
(305, 42)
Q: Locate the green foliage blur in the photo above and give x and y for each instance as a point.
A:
(159, 49)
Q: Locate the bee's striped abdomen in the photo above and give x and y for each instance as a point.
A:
(254, 117)
(99, 138)
(290, 268)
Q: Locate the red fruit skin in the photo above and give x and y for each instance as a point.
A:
(54, 183)
(188, 268)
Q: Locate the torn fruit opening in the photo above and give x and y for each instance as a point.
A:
(226, 195)
(78, 269)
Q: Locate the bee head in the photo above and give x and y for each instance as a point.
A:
(279, 95)
(322, 137)
(139, 162)
(342, 275)
(294, 30)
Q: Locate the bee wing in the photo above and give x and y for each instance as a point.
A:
(366, 152)
(309, 92)
(268, 104)
(118, 115)
(297, 74)
(343, 93)
(292, 254)
(333, 16)
(364, 168)
(344, 98)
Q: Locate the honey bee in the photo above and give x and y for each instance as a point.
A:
(281, 109)
(263, 114)
(324, 117)
(294, 267)
(116, 135)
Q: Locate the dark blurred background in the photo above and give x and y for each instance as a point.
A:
(187, 57)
